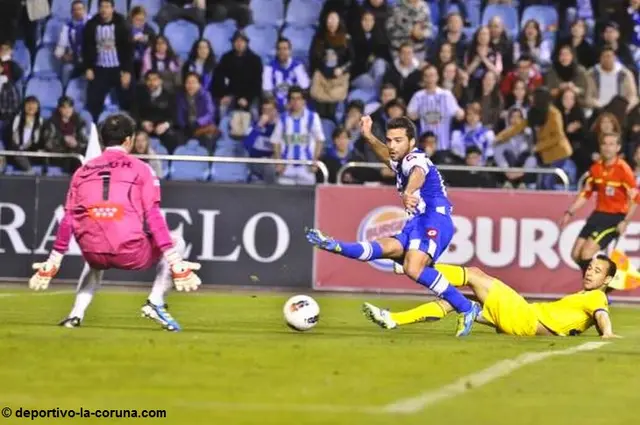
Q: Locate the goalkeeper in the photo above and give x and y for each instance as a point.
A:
(508, 312)
(113, 210)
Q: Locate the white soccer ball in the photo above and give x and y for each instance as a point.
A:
(301, 312)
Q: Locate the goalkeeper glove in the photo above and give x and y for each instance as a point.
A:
(184, 279)
(45, 271)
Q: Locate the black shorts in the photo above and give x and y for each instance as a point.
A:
(601, 227)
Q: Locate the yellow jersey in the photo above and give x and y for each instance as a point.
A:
(572, 314)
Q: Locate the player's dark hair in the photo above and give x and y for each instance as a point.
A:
(612, 269)
(405, 123)
(116, 128)
(293, 90)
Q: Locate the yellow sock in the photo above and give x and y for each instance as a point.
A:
(456, 275)
(425, 313)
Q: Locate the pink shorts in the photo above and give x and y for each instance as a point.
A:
(137, 255)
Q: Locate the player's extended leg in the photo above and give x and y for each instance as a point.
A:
(156, 308)
(88, 284)
(435, 310)
(417, 266)
(389, 248)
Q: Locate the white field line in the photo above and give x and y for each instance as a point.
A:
(478, 379)
(414, 404)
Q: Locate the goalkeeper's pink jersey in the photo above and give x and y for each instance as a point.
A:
(112, 204)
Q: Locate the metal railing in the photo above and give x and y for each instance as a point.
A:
(581, 181)
(216, 159)
(43, 155)
(233, 160)
(562, 175)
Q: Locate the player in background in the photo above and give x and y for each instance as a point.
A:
(614, 183)
(298, 135)
(430, 228)
(508, 312)
(113, 211)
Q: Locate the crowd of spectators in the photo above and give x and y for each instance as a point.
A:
(537, 95)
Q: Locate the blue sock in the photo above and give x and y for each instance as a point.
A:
(435, 281)
(363, 251)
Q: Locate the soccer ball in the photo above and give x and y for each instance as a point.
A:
(301, 312)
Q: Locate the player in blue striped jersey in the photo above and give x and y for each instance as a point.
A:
(427, 233)
(298, 135)
(283, 72)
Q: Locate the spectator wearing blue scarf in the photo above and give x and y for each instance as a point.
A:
(258, 141)
(69, 47)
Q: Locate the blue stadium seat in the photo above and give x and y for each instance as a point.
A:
(270, 12)
(159, 149)
(190, 170)
(86, 116)
(52, 31)
(22, 56)
(151, 6)
(55, 172)
(371, 107)
(77, 90)
(121, 7)
(155, 144)
(301, 37)
(46, 64)
(508, 14)
(303, 12)
(327, 128)
(229, 172)
(363, 95)
(262, 39)
(47, 90)
(61, 9)
(219, 35)
(182, 34)
(154, 26)
(546, 16)
(10, 170)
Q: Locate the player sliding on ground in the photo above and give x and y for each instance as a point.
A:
(508, 312)
(430, 228)
(113, 210)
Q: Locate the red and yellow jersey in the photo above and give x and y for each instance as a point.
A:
(612, 185)
(572, 314)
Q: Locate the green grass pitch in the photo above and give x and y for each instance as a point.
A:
(237, 363)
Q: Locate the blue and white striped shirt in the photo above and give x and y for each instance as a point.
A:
(298, 136)
(435, 110)
(106, 46)
(478, 135)
(258, 141)
(277, 78)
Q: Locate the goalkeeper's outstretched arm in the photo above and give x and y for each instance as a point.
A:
(379, 148)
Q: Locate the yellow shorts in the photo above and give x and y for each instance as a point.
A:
(509, 311)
